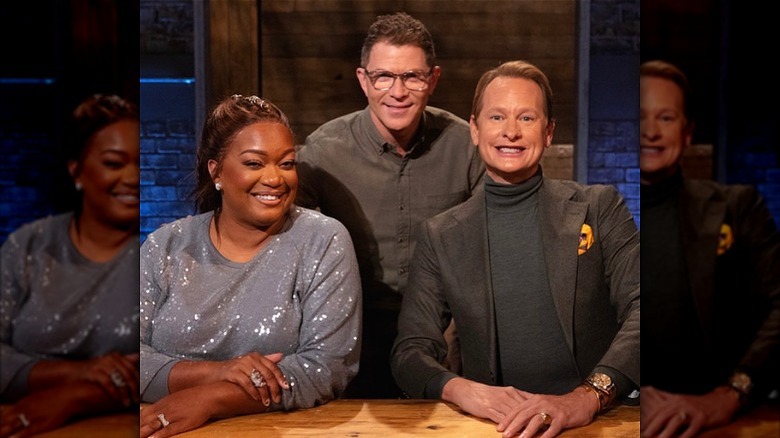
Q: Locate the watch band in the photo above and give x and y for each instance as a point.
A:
(602, 385)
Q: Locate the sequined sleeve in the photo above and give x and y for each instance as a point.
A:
(12, 296)
(329, 340)
(154, 372)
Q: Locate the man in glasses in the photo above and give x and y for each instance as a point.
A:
(382, 170)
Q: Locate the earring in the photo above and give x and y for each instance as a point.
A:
(78, 186)
(218, 186)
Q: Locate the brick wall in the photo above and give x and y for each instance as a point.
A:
(168, 141)
(613, 147)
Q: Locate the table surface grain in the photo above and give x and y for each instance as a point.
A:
(399, 418)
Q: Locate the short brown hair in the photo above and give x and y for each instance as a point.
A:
(399, 29)
(514, 69)
(666, 70)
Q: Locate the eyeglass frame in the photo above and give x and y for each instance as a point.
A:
(395, 76)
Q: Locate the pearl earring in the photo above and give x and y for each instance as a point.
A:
(78, 186)
(218, 186)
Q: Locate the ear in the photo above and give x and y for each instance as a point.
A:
(688, 135)
(548, 137)
(433, 79)
(360, 72)
(73, 168)
(213, 169)
(474, 130)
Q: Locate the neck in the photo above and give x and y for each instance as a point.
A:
(96, 240)
(400, 139)
(237, 241)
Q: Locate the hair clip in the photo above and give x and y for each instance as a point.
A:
(254, 100)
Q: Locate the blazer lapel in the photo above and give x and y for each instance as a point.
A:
(561, 221)
(703, 216)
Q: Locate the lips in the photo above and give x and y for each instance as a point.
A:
(511, 149)
(127, 198)
(650, 150)
(270, 199)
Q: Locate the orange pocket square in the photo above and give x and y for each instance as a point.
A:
(586, 239)
(725, 239)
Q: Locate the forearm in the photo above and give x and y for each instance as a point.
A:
(227, 400)
(189, 374)
(50, 373)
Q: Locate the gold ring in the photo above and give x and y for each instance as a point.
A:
(683, 415)
(546, 418)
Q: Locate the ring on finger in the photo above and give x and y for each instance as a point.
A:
(117, 379)
(257, 379)
(684, 416)
(546, 418)
(162, 419)
(23, 419)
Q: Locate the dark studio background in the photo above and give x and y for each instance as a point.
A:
(54, 54)
(735, 92)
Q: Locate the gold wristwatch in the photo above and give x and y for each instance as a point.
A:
(602, 385)
(742, 383)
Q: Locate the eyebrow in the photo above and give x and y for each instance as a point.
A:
(264, 153)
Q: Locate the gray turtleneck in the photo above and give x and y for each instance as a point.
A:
(533, 355)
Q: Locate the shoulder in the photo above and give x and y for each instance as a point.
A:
(40, 232)
(335, 128)
(736, 195)
(437, 118)
(178, 233)
(306, 219)
(591, 193)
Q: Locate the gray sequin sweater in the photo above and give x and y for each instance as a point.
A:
(56, 304)
(300, 295)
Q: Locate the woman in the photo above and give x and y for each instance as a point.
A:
(254, 304)
(68, 309)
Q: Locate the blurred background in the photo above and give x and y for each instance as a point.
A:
(735, 92)
(55, 54)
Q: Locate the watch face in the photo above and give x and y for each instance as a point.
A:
(741, 381)
(601, 380)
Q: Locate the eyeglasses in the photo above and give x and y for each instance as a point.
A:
(414, 80)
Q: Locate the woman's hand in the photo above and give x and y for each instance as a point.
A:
(257, 375)
(182, 411)
(116, 374)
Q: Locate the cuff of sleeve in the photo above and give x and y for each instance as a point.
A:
(158, 386)
(436, 383)
(18, 386)
(623, 385)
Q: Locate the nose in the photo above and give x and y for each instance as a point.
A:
(271, 177)
(131, 174)
(398, 90)
(511, 129)
(648, 128)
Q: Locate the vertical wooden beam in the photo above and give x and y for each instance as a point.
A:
(233, 49)
(583, 92)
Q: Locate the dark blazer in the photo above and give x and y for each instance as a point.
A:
(596, 294)
(735, 288)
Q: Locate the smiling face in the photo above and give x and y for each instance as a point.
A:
(664, 129)
(396, 112)
(109, 174)
(512, 129)
(258, 177)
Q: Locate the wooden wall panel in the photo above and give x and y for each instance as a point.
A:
(311, 48)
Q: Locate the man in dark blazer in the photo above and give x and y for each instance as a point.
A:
(710, 273)
(541, 277)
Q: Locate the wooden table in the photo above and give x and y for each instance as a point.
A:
(398, 418)
(106, 426)
(393, 418)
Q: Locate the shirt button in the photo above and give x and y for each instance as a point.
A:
(402, 207)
